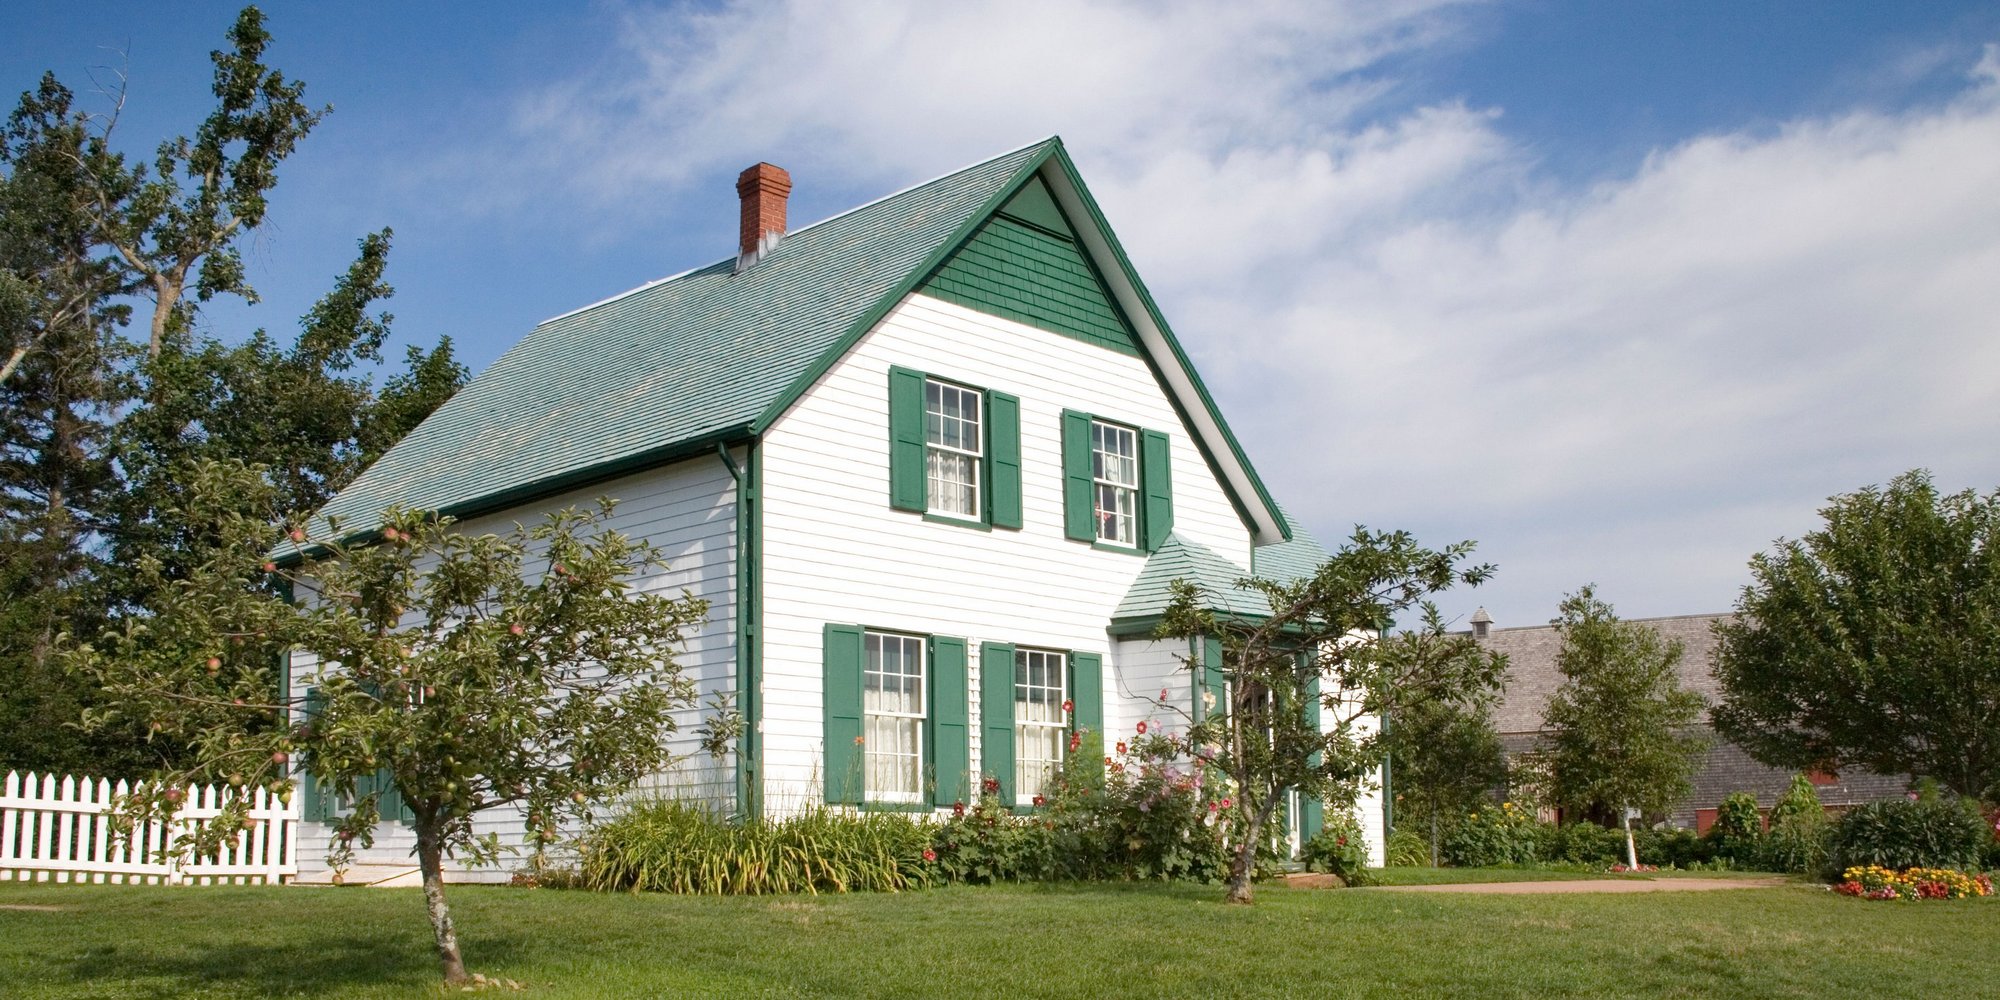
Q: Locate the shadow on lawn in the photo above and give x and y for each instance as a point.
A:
(322, 964)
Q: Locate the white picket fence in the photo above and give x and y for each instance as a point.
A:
(60, 830)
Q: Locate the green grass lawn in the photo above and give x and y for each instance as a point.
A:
(1444, 876)
(1140, 941)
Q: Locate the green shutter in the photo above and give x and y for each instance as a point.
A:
(906, 439)
(1003, 450)
(1312, 812)
(1077, 508)
(951, 735)
(840, 699)
(1211, 678)
(996, 715)
(317, 806)
(1086, 695)
(1156, 479)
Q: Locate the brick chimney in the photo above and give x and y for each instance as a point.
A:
(763, 189)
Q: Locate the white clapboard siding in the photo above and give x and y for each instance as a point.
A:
(834, 550)
(61, 830)
(688, 511)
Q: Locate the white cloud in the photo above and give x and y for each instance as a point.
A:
(1638, 383)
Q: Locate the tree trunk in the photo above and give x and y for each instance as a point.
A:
(1245, 863)
(166, 295)
(1434, 838)
(1631, 846)
(430, 857)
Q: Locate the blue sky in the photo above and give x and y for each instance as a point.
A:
(1623, 291)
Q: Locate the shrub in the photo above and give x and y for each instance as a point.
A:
(1875, 882)
(1583, 844)
(1738, 833)
(1934, 831)
(1503, 835)
(1151, 812)
(1676, 849)
(1799, 830)
(1407, 849)
(1338, 848)
(686, 847)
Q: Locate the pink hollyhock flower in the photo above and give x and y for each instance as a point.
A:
(1068, 706)
(1121, 746)
(930, 855)
(1142, 727)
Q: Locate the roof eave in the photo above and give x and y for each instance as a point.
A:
(1267, 524)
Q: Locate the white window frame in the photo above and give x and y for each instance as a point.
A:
(874, 646)
(1118, 526)
(1028, 781)
(935, 447)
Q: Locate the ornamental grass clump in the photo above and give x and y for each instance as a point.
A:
(1799, 830)
(1911, 884)
(685, 847)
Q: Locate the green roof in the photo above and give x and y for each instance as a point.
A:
(1182, 559)
(717, 354)
(1289, 561)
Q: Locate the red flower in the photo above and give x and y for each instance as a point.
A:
(958, 809)
(1142, 727)
(990, 786)
(1075, 741)
(1068, 706)
(1039, 801)
(1225, 803)
(1121, 746)
(1211, 807)
(930, 855)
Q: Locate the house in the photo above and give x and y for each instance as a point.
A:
(932, 461)
(1532, 677)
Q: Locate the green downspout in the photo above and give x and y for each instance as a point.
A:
(749, 622)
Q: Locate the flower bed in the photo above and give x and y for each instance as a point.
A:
(1876, 882)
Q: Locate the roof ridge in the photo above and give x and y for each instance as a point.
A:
(947, 175)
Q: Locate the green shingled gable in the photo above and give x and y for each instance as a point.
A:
(1024, 264)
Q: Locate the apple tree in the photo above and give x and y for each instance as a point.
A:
(1302, 684)
(469, 673)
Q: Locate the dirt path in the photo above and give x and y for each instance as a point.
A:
(1593, 885)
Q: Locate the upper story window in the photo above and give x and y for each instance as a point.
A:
(1114, 469)
(954, 445)
(954, 451)
(1041, 724)
(893, 700)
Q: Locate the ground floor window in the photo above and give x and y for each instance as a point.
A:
(893, 695)
(1041, 723)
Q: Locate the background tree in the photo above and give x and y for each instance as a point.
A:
(1620, 733)
(475, 673)
(1447, 758)
(1874, 641)
(98, 434)
(1312, 651)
